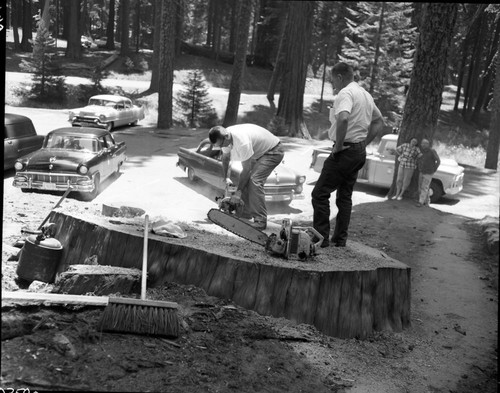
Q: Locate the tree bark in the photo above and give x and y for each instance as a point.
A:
(210, 23)
(424, 97)
(488, 73)
(278, 66)
(298, 36)
(74, 48)
(155, 72)
(233, 32)
(124, 27)
(110, 28)
(494, 136)
(137, 26)
(374, 71)
(166, 64)
(27, 27)
(233, 99)
(15, 24)
(179, 26)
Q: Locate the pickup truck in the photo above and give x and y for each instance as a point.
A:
(379, 169)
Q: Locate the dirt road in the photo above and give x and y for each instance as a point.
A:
(451, 346)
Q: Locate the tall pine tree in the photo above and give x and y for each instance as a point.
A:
(380, 41)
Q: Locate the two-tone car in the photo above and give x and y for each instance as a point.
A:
(106, 111)
(205, 162)
(19, 138)
(78, 157)
(379, 169)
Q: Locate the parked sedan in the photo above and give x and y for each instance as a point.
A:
(19, 138)
(106, 111)
(204, 162)
(81, 158)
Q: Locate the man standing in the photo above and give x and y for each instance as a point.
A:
(260, 152)
(427, 164)
(356, 120)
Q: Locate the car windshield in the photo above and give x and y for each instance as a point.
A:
(101, 102)
(71, 142)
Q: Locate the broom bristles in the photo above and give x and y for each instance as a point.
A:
(127, 318)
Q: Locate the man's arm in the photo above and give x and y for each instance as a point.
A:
(226, 161)
(375, 126)
(342, 121)
(245, 174)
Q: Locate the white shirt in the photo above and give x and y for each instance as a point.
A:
(359, 104)
(250, 141)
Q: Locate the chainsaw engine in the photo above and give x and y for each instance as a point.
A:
(293, 240)
(226, 202)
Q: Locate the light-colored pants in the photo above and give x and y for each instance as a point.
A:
(424, 182)
(404, 178)
(253, 194)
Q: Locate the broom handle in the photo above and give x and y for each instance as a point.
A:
(144, 259)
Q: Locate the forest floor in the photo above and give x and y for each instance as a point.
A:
(450, 347)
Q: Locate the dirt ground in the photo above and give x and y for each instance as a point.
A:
(451, 346)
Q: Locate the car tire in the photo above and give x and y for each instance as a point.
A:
(109, 126)
(88, 196)
(134, 123)
(435, 191)
(191, 175)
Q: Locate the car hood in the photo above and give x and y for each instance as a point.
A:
(450, 166)
(60, 160)
(93, 110)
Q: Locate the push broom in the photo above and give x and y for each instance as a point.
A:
(141, 316)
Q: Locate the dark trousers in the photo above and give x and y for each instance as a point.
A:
(253, 195)
(339, 173)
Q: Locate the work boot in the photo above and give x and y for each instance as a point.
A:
(260, 225)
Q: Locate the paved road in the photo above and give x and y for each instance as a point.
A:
(151, 180)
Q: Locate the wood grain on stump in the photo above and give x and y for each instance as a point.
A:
(345, 293)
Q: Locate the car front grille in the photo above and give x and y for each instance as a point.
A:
(278, 190)
(46, 178)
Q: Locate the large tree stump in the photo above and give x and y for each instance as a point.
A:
(355, 293)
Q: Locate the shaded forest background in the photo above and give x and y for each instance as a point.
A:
(294, 41)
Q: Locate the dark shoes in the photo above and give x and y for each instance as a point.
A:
(326, 243)
(260, 225)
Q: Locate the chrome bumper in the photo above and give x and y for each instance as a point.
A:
(456, 186)
(78, 183)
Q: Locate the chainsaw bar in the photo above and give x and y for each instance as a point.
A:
(240, 228)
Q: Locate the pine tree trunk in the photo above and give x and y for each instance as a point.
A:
(27, 31)
(166, 64)
(488, 74)
(465, 47)
(278, 67)
(374, 71)
(124, 27)
(494, 137)
(137, 25)
(477, 65)
(424, 97)
(15, 24)
(118, 27)
(233, 99)
(256, 13)
(210, 23)
(234, 26)
(74, 48)
(110, 28)
(298, 36)
(179, 26)
(155, 72)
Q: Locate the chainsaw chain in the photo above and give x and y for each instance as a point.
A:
(229, 230)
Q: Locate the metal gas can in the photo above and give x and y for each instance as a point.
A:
(39, 259)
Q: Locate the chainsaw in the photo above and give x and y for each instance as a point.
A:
(291, 240)
(227, 203)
